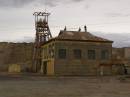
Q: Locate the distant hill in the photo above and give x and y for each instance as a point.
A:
(120, 39)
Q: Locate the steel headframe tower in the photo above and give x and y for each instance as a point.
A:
(43, 34)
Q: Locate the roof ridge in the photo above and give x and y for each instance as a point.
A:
(76, 35)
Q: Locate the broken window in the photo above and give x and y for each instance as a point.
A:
(91, 54)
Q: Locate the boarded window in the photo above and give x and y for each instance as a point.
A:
(91, 54)
(104, 54)
(77, 53)
(62, 53)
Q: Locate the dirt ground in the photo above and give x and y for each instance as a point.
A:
(87, 86)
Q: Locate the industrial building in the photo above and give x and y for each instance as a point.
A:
(121, 60)
(72, 52)
(75, 53)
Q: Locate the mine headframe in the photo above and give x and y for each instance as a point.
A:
(43, 34)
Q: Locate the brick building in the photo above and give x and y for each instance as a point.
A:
(121, 59)
(75, 53)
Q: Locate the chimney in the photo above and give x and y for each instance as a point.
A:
(79, 29)
(65, 28)
(85, 28)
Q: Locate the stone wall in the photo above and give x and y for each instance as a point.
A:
(121, 56)
(15, 53)
(84, 66)
(117, 53)
(127, 52)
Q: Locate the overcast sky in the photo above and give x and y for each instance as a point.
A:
(102, 17)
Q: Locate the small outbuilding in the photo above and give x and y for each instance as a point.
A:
(14, 68)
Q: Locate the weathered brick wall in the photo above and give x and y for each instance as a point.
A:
(127, 52)
(70, 66)
(117, 53)
(121, 54)
(15, 53)
(5, 53)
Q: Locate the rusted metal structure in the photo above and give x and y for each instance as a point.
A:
(43, 34)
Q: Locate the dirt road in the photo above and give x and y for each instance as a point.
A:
(38, 86)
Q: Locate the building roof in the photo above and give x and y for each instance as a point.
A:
(80, 36)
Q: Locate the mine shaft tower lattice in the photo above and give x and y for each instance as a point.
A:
(43, 34)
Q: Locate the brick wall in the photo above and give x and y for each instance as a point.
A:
(15, 53)
(84, 66)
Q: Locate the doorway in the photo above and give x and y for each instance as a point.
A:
(45, 68)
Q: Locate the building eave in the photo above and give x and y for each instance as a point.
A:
(55, 39)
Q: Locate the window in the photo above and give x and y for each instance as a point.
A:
(45, 52)
(77, 53)
(62, 53)
(104, 54)
(51, 51)
(91, 54)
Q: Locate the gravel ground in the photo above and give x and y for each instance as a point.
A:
(39, 86)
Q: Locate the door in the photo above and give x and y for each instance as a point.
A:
(45, 68)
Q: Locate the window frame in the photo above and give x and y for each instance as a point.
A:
(104, 54)
(77, 53)
(62, 53)
(91, 54)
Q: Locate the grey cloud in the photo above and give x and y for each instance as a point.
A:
(51, 3)
(118, 14)
(14, 3)
(120, 39)
(77, 0)
(21, 3)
